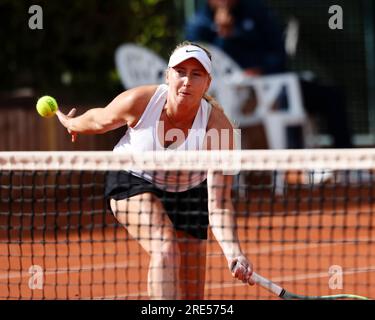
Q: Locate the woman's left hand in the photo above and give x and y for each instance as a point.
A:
(64, 119)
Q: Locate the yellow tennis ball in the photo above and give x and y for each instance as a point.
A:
(46, 106)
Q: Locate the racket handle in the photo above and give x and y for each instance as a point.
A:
(264, 282)
(267, 284)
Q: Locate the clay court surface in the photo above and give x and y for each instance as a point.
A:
(295, 240)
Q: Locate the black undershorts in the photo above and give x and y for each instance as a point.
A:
(188, 210)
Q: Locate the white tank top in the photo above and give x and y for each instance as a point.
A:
(144, 137)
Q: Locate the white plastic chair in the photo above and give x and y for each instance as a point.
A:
(138, 66)
(231, 87)
(268, 90)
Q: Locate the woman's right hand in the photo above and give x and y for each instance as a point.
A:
(242, 269)
(65, 118)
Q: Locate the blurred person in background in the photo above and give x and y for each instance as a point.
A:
(249, 32)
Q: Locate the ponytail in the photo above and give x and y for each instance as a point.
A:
(212, 101)
(215, 104)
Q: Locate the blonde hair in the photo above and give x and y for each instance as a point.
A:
(211, 100)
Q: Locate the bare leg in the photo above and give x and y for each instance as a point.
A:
(193, 266)
(146, 221)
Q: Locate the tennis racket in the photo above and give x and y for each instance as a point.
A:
(284, 294)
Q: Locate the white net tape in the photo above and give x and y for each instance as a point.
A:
(253, 160)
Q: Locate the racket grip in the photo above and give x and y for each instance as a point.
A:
(267, 284)
(264, 282)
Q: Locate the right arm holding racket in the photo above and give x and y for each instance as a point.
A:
(221, 211)
(223, 226)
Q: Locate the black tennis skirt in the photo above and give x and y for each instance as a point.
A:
(188, 210)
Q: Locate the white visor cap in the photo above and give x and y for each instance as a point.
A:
(188, 52)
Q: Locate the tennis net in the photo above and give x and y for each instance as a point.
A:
(303, 217)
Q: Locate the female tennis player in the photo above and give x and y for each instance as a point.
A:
(152, 206)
